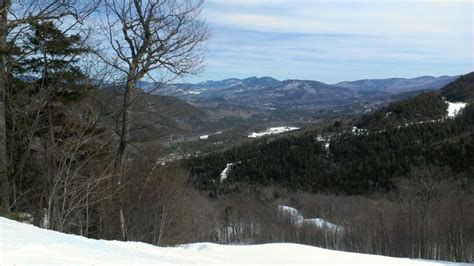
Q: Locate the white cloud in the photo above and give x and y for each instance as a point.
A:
(355, 17)
(333, 38)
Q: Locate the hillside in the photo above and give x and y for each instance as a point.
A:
(216, 89)
(154, 116)
(462, 90)
(24, 244)
(296, 92)
(239, 106)
(427, 106)
(424, 107)
(365, 159)
(231, 89)
(398, 85)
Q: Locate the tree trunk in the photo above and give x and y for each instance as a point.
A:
(4, 7)
(124, 139)
(125, 129)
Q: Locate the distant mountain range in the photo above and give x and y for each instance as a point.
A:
(270, 92)
(396, 85)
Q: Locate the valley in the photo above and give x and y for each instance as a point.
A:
(236, 132)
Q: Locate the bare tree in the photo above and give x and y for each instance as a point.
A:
(158, 39)
(73, 174)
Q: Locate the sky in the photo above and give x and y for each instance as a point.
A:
(337, 40)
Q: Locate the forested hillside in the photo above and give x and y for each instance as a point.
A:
(461, 89)
(154, 116)
(425, 107)
(352, 164)
(387, 144)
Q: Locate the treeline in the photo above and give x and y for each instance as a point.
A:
(429, 217)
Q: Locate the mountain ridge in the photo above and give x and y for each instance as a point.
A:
(233, 88)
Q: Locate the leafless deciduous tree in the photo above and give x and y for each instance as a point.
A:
(158, 39)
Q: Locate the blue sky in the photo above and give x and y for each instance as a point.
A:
(336, 40)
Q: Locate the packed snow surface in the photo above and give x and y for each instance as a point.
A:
(27, 244)
(272, 131)
(455, 108)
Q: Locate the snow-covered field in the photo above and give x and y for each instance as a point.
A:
(271, 131)
(455, 108)
(27, 244)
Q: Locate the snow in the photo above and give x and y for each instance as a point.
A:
(322, 223)
(26, 244)
(272, 131)
(206, 137)
(326, 142)
(327, 145)
(455, 108)
(226, 171)
(298, 219)
(358, 131)
(293, 213)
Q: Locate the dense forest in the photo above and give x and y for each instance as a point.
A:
(461, 90)
(353, 164)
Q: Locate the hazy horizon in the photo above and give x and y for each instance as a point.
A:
(195, 81)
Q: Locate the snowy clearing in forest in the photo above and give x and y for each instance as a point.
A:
(271, 131)
(225, 172)
(26, 244)
(455, 108)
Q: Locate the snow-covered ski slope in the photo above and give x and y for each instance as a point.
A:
(26, 244)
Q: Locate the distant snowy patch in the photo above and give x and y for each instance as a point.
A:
(298, 219)
(292, 213)
(455, 108)
(326, 142)
(206, 137)
(358, 131)
(327, 145)
(322, 223)
(272, 131)
(226, 171)
(27, 244)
